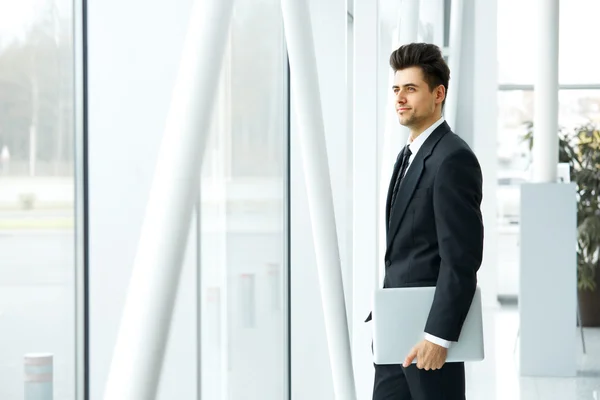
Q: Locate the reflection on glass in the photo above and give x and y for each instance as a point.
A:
(515, 110)
(37, 272)
(243, 240)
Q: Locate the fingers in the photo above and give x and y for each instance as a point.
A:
(428, 364)
(410, 357)
(430, 357)
(426, 360)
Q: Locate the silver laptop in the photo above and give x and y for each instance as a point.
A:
(399, 318)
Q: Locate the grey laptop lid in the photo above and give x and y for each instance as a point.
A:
(399, 318)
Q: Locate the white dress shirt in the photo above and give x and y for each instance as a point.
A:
(414, 147)
(416, 144)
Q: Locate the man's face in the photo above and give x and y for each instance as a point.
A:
(415, 103)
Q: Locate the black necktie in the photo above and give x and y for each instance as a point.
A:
(403, 167)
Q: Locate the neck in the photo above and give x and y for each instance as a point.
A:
(417, 130)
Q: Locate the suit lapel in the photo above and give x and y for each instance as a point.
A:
(410, 181)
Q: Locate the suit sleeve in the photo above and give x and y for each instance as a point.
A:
(457, 194)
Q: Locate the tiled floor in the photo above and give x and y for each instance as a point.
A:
(497, 377)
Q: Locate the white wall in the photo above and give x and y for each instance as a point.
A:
(132, 66)
(311, 371)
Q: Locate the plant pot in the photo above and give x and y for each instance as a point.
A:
(589, 305)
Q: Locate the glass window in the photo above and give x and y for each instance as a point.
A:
(517, 49)
(515, 111)
(243, 215)
(517, 65)
(37, 234)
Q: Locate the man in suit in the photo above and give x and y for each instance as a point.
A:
(434, 227)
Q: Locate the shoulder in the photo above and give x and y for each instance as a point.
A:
(451, 143)
(453, 152)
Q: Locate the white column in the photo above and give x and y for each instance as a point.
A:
(545, 119)
(456, 23)
(481, 109)
(305, 87)
(145, 323)
(409, 21)
(365, 188)
(480, 16)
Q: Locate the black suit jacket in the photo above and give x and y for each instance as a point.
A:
(435, 229)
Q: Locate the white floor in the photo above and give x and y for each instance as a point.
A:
(497, 377)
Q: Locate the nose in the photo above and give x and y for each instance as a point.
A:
(400, 97)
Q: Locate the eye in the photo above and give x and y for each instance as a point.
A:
(411, 89)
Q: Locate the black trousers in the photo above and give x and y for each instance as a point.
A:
(394, 382)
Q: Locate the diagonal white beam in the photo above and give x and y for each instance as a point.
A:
(307, 103)
(145, 323)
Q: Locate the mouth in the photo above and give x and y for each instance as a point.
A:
(402, 109)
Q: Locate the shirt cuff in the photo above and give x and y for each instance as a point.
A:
(437, 340)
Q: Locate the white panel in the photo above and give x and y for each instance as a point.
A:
(548, 281)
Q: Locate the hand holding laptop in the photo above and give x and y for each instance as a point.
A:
(399, 320)
(430, 356)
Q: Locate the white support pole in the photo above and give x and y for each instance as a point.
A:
(409, 21)
(365, 188)
(483, 108)
(138, 354)
(456, 23)
(545, 120)
(305, 89)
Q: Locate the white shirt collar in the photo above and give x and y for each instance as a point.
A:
(418, 142)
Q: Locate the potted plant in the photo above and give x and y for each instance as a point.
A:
(580, 148)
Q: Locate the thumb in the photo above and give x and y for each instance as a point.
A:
(410, 357)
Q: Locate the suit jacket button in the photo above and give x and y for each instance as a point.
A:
(387, 263)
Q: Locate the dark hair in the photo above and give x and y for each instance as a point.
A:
(426, 56)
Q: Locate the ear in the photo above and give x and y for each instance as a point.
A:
(440, 94)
